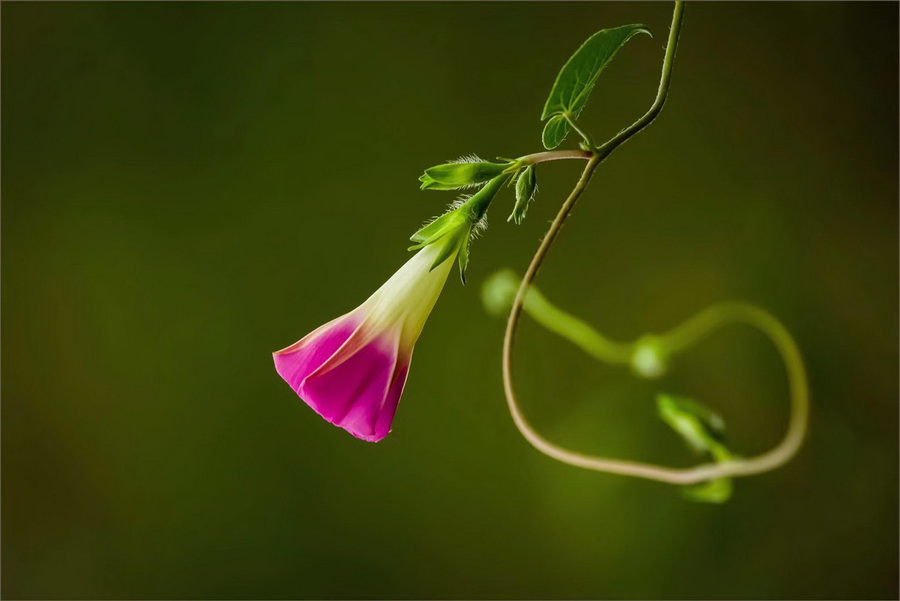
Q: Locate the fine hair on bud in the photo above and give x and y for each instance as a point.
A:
(468, 158)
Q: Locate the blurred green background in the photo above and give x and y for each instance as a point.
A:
(188, 187)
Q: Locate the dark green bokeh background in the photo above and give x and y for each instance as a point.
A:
(188, 187)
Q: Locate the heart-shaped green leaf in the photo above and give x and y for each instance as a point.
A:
(555, 132)
(577, 78)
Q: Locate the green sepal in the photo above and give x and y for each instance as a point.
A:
(479, 202)
(526, 186)
(463, 259)
(465, 215)
(454, 176)
(449, 248)
(453, 230)
(431, 232)
(428, 183)
(555, 131)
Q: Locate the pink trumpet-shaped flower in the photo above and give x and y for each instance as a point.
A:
(351, 371)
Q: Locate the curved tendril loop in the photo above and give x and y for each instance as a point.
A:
(677, 339)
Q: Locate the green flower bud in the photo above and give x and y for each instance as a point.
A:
(649, 358)
(526, 186)
(699, 426)
(463, 173)
(703, 430)
(499, 291)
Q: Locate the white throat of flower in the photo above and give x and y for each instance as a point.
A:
(405, 301)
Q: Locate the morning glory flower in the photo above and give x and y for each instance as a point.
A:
(352, 370)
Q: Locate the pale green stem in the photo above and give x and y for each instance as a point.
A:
(670, 344)
(584, 135)
(691, 331)
(661, 94)
(574, 330)
(554, 155)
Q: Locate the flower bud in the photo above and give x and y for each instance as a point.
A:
(499, 291)
(463, 173)
(649, 358)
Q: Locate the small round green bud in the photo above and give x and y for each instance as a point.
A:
(649, 358)
(499, 291)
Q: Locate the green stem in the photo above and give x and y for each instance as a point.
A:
(533, 437)
(503, 286)
(553, 155)
(661, 94)
(674, 340)
(578, 332)
(585, 136)
(697, 328)
(671, 344)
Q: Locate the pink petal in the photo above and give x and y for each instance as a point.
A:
(386, 415)
(361, 393)
(307, 355)
(348, 376)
